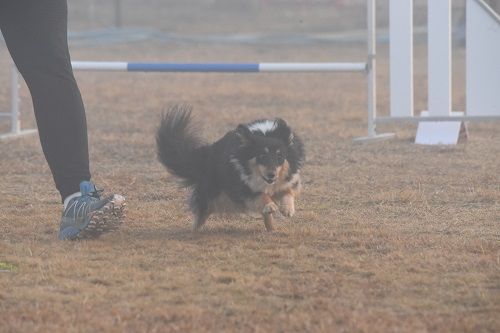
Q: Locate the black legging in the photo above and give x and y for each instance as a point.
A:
(35, 32)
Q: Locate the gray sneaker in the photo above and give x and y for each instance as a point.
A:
(89, 216)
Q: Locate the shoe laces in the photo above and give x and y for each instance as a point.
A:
(96, 193)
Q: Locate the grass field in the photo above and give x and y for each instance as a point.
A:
(388, 236)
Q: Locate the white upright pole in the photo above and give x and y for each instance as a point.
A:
(15, 119)
(371, 67)
(15, 127)
(371, 75)
(439, 75)
(401, 57)
(439, 55)
(482, 60)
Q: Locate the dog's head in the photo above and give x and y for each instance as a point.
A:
(265, 144)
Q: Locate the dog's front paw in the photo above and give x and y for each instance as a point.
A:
(287, 210)
(287, 205)
(270, 208)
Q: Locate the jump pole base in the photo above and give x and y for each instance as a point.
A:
(8, 136)
(376, 137)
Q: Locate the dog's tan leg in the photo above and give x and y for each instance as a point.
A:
(267, 212)
(287, 204)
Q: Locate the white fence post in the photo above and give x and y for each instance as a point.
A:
(401, 57)
(483, 60)
(439, 57)
(440, 125)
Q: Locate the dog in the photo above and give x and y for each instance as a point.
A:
(254, 167)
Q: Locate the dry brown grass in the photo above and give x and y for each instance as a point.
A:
(388, 236)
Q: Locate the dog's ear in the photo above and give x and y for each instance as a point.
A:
(244, 134)
(283, 131)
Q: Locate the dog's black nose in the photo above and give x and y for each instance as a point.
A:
(271, 175)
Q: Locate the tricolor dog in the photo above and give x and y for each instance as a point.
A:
(254, 167)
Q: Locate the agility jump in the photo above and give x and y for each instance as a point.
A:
(483, 72)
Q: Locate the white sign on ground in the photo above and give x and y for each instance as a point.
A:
(440, 132)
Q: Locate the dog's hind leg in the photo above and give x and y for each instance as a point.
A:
(200, 209)
(200, 220)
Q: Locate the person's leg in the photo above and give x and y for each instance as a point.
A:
(36, 35)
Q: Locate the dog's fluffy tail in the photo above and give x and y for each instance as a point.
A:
(180, 149)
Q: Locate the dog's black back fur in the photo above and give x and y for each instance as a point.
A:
(213, 169)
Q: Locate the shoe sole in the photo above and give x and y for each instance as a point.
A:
(106, 219)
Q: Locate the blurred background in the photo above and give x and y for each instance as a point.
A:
(233, 15)
(288, 18)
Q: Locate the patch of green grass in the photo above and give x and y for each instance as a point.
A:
(5, 266)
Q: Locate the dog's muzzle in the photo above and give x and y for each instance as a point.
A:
(270, 178)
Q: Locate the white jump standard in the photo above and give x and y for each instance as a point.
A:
(482, 68)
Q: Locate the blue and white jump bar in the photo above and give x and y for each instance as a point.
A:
(118, 66)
